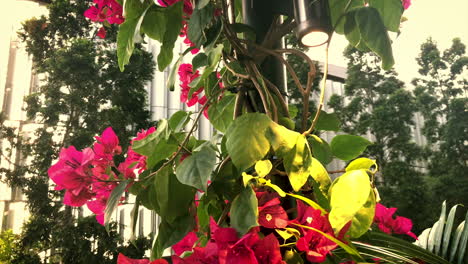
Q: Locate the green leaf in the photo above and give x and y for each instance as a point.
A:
(338, 9)
(375, 35)
(163, 150)
(440, 229)
(463, 241)
(456, 241)
(401, 247)
(113, 202)
(363, 219)
(282, 140)
(174, 18)
(390, 12)
(154, 23)
(293, 111)
(146, 146)
(214, 56)
(348, 195)
(173, 197)
(448, 231)
(362, 164)
(196, 169)
(246, 178)
(221, 113)
(129, 31)
(263, 167)
(328, 122)
(197, 24)
(178, 120)
(200, 60)
(320, 149)
(347, 147)
(431, 239)
(320, 175)
(297, 163)
(169, 233)
(201, 4)
(170, 83)
(352, 33)
(244, 211)
(246, 142)
(134, 218)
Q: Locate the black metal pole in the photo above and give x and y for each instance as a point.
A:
(259, 15)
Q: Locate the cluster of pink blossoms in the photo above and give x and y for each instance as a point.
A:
(226, 247)
(88, 176)
(105, 11)
(186, 76)
(387, 224)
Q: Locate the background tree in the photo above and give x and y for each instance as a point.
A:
(441, 96)
(376, 104)
(83, 92)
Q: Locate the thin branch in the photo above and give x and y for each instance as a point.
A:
(322, 93)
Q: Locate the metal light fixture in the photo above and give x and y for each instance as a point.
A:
(313, 22)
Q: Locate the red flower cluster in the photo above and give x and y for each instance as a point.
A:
(270, 212)
(385, 221)
(85, 175)
(106, 10)
(314, 244)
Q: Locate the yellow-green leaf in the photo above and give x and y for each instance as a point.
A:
(320, 175)
(263, 167)
(362, 164)
(348, 195)
(363, 218)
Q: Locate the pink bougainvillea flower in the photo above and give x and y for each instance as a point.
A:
(186, 76)
(107, 144)
(78, 199)
(403, 225)
(102, 33)
(267, 250)
(106, 10)
(134, 160)
(122, 259)
(316, 246)
(406, 3)
(72, 172)
(384, 217)
(98, 207)
(187, 41)
(387, 224)
(188, 8)
(270, 212)
(186, 244)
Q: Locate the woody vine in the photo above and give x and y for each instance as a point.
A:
(256, 192)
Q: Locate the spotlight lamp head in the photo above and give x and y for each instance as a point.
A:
(313, 22)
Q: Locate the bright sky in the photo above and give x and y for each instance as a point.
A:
(442, 20)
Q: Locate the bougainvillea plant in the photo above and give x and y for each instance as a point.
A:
(258, 191)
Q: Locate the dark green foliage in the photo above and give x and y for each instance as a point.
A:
(83, 93)
(379, 105)
(441, 94)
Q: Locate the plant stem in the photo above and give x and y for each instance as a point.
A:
(322, 94)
